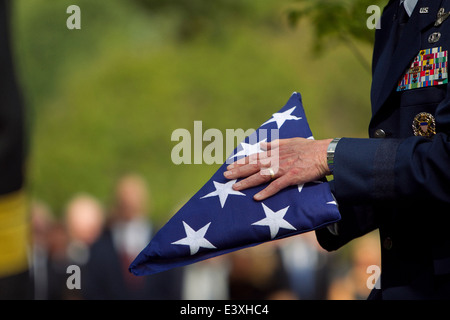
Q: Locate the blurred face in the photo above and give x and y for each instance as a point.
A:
(131, 198)
(84, 220)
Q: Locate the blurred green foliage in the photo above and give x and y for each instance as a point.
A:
(197, 16)
(331, 18)
(334, 22)
(104, 100)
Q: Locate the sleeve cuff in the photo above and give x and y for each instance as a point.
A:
(364, 169)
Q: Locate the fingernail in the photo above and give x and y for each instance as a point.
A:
(231, 166)
(263, 145)
(237, 185)
(227, 174)
(257, 196)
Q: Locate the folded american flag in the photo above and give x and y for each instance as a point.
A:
(218, 220)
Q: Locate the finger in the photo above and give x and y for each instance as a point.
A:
(242, 171)
(251, 159)
(270, 171)
(273, 188)
(243, 161)
(252, 181)
(270, 145)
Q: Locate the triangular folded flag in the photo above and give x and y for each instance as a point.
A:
(219, 220)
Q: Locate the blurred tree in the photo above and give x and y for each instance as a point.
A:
(196, 16)
(343, 21)
(106, 98)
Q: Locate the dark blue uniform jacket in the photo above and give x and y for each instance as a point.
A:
(394, 180)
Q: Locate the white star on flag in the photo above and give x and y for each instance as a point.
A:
(249, 149)
(195, 239)
(223, 190)
(300, 186)
(274, 220)
(218, 220)
(281, 117)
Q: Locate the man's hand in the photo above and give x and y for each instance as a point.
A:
(287, 162)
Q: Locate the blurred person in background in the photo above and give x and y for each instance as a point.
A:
(59, 243)
(42, 221)
(258, 273)
(84, 219)
(14, 219)
(126, 234)
(52, 275)
(207, 280)
(355, 283)
(307, 266)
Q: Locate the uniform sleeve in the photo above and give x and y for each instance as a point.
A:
(374, 172)
(395, 170)
(363, 174)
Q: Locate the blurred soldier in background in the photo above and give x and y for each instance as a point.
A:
(14, 221)
(126, 233)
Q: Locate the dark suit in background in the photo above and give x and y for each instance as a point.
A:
(106, 277)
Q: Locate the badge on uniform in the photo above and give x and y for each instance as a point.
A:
(429, 68)
(424, 125)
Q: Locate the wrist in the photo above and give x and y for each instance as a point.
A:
(330, 154)
(321, 153)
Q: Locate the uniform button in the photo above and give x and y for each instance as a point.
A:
(387, 243)
(379, 133)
